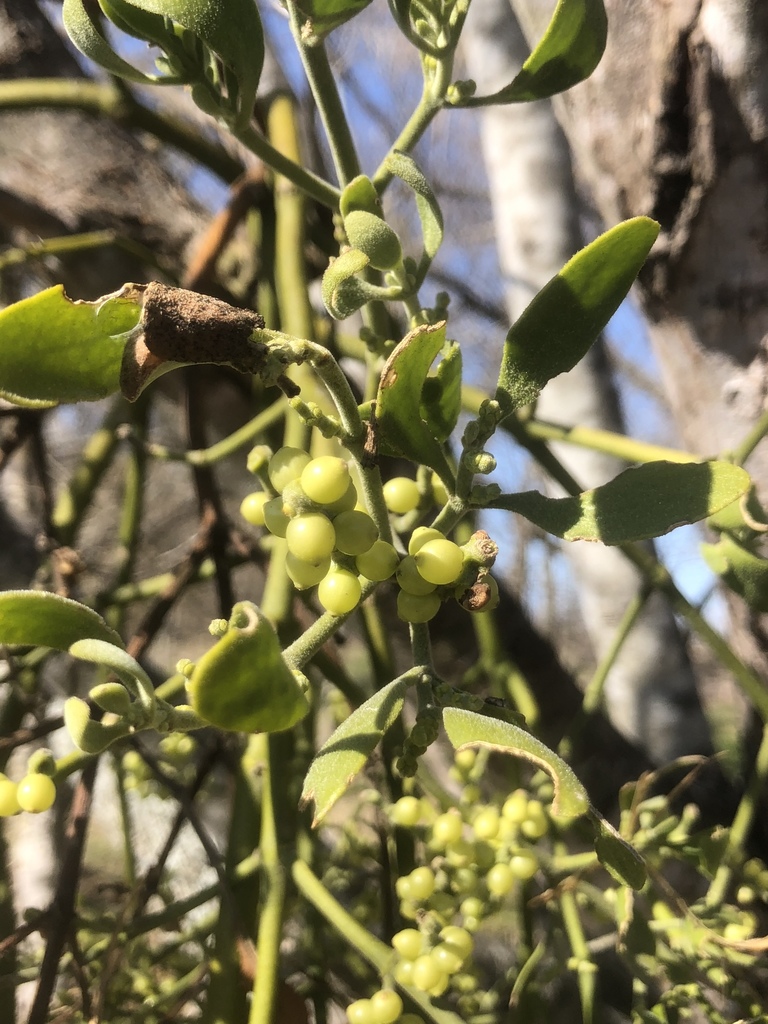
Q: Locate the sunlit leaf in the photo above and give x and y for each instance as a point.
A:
(242, 683)
(401, 430)
(346, 752)
(470, 729)
(567, 53)
(326, 15)
(55, 350)
(35, 618)
(561, 323)
(642, 502)
(405, 167)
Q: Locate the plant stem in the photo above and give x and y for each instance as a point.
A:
(314, 57)
(228, 445)
(309, 183)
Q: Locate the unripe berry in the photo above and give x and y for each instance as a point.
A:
(439, 561)
(252, 507)
(286, 465)
(9, 803)
(422, 883)
(409, 943)
(500, 880)
(426, 973)
(417, 608)
(325, 479)
(401, 495)
(36, 793)
(486, 823)
(447, 828)
(523, 865)
(420, 536)
(406, 812)
(386, 1007)
(359, 1012)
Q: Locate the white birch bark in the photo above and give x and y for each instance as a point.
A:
(651, 692)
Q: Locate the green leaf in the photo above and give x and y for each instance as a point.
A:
(35, 618)
(567, 315)
(405, 167)
(231, 29)
(326, 15)
(55, 350)
(642, 502)
(343, 755)
(470, 729)
(618, 857)
(85, 32)
(441, 394)
(401, 430)
(567, 53)
(242, 683)
(740, 569)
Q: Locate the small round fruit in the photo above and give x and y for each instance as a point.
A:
(458, 937)
(420, 536)
(325, 479)
(386, 1007)
(275, 520)
(359, 1012)
(439, 561)
(286, 465)
(9, 803)
(409, 943)
(515, 807)
(339, 592)
(311, 537)
(401, 495)
(304, 574)
(252, 507)
(439, 492)
(379, 562)
(411, 580)
(447, 828)
(486, 823)
(447, 957)
(406, 812)
(426, 973)
(415, 608)
(535, 824)
(422, 883)
(36, 793)
(356, 532)
(402, 972)
(345, 503)
(523, 865)
(500, 880)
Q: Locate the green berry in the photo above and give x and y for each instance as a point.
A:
(386, 1006)
(311, 537)
(345, 503)
(411, 580)
(422, 884)
(439, 561)
(515, 807)
(360, 1012)
(535, 824)
(402, 972)
(426, 973)
(285, 466)
(275, 520)
(409, 943)
(459, 938)
(9, 803)
(401, 495)
(252, 507)
(447, 828)
(415, 608)
(465, 759)
(326, 479)
(356, 532)
(500, 880)
(406, 812)
(304, 574)
(486, 823)
(447, 957)
(339, 592)
(523, 865)
(379, 562)
(420, 536)
(36, 793)
(439, 492)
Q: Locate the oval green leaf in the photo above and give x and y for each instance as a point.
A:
(619, 858)
(564, 319)
(405, 167)
(567, 53)
(55, 350)
(441, 394)
(643, 502)
(35, 618)
(401, 430)
(346, 752)
(741, 569)
(85, 32)
(326, 15)
(242, 683)
(470, 729)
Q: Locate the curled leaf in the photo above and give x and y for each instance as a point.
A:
(35, 618)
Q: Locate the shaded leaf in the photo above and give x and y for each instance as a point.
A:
(55, 350)
(741, 569)
(560, 324)
(242, 683)
(441, 394)
(642, 502)
(85, 32)
(402, 431)
(405, 167)
(35, 618)
(618, 857)
(567, 53)
(326, 15)
(470, 729)
(346, 752)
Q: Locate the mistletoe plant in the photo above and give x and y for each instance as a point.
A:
(456, 858)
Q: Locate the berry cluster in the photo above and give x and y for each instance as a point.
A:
(35, 793)
(334, 544)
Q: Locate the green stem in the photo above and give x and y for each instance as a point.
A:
(228, 445)
(738, 834)
(586, 969)
(742, 452)
(84, 241)
(309, 183)
(126, 824)
(314, 57)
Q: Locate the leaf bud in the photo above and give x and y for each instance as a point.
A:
(218, 627)
(185, 667)
(41, 762)
(258, 458)
(89, 736)
(111, 697)
(375, 238)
